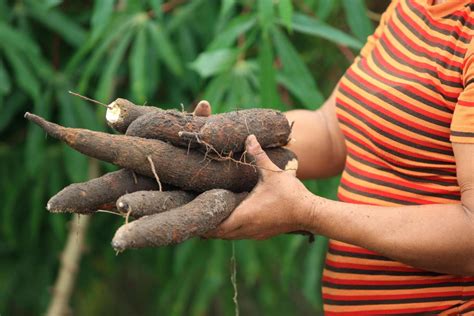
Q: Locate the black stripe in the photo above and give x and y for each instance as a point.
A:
(392, 102)
(357, 255)
(376, 143)
(431, 171)
(463, 134)
(390, 286)
(416, 33)
(468, 82)
(462, 19)
(389, 49)
(392, 136)
(422, 16)
(431, 87)
(416, 179)
(403, 188)
(464, 311)
(381, 272)
(393, 301)
(377, 196)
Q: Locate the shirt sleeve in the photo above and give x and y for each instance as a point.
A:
(372, 39)
(462, 124)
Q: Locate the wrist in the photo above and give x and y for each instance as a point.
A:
(309, 211)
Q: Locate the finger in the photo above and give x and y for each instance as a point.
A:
(203, 108)
(261, 158)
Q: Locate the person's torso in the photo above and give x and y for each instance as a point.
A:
(395, 106)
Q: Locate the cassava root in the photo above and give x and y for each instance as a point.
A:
(194, 219)
(224, 133)
(99, 193)
(142, 203)
(188, 170)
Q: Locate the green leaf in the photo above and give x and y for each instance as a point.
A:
(38, 210)
(325, 8)
(5, 85)
(12, 38)
(265, 14)
(295, 76)
(215, 62)
(238, 26)
(101, 16)
(13, 104)
(156, 6)
(313, 271)
(108, 78)
(285, 8)
(359, 22)
(308, 25)
(74, 162)
(23, 75)
(138, 67)
(123, 29)
(58, 22)
(268, 91)
(165, 48)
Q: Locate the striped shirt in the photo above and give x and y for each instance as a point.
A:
(401, 104)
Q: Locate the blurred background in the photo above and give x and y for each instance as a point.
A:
(237, 54)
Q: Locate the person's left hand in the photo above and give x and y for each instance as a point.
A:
(279, 203)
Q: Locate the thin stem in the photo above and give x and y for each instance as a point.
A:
(88, 99)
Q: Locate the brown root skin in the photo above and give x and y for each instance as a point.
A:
(121, 113)
(166, 126)
(194, 219)
(224, 133)
(142, 203)
(100, 193)
(188, 170)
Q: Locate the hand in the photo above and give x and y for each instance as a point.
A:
(279, 203)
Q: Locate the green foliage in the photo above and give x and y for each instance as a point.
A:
(236, 54)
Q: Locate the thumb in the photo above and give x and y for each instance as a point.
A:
(203, 108)
(262, 161)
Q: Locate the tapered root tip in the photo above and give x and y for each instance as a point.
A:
(121, 240)
(117, 245)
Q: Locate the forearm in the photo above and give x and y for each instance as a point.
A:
(317, 141)
(433, 237)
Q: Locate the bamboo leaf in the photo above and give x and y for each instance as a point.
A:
(295, 75)
(101, 16)
(165, 48)
(308, 25)
(324, 8)
(59, 23)
(285, 8)
(215, 62)
(5, 84)
(268, 91)
(12, 38)
(138, 67)
(108, 78)
(123, 29)
(359, 22)
(265, 14)
(156, 6)
(239, 25)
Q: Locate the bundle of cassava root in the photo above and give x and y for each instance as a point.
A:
(182, 173)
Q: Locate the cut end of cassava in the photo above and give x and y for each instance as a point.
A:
(292, 165)
(113, 112)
